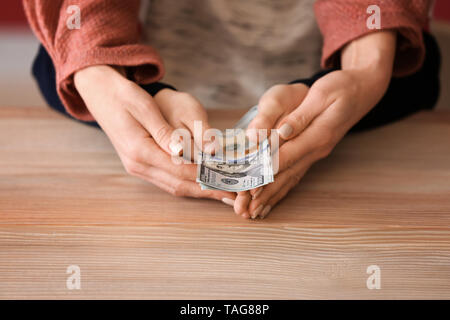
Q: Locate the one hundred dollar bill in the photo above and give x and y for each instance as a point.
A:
(242, 165)
(256, 171)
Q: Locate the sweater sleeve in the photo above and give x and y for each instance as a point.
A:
(108, 34)
(342, 21)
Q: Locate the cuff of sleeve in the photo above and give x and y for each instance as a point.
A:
(342, 28)
(310, 81)
(145, 67)
(154, 88)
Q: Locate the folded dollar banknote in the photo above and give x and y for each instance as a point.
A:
(241, 165)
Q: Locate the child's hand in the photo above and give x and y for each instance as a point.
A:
(140, 128)
(331, 107)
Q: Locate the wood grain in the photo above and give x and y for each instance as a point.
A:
(382, 198)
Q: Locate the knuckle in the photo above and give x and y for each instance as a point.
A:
(269, 100)
(318, 88)
(186, 96)
(133, 152)
(179, 190)
(181, 171)
(142, 102)
(162, 133)
(348, 78)
(177, 170)
(261, 122)
(279, 86)
(197, 109)
(126, 86)
(290, 162)
(319, 91)
(325, 139)
(295, 177)
(211, 194)
(325, 152)
(132, 168)
(289, 172)
(143, 107)
(299, 119)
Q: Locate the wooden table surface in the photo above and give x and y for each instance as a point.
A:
(382, 198)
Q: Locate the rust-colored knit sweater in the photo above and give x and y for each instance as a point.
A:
(110, 35)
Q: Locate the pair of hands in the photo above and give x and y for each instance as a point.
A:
(310, 121)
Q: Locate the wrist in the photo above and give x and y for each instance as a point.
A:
(85, 77)
(373, 53)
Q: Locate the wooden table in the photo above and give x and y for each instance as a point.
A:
(382, 198)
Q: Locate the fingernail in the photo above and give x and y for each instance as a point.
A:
(246, 215)
(228, 201)
(285, 131)
(257, 193)
(176, 148)
(257, 211)
(265, 212)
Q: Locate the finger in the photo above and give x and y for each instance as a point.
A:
(317, 137)
(149, 153)
(276, 102)
(189, 151)
(284, 181)
(277, 197)
(295, 122)
(270, 109)
(196, 120)
(181, 108)
(241, 204)
(155, 176)
(135, 147)
(182, 188)
(189, 148)
(256, 192)
(258, 205)
(148, 114)
(268, 114)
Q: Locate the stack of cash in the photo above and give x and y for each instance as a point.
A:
(242, 165)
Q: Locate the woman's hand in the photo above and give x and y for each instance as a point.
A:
(275, 104)
(311, 127)
(140, 128)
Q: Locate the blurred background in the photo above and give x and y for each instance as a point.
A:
(18, 47)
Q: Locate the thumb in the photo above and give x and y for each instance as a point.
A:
(274, 104)
(161, 131)
(270, 108)
(146, 111)
(302, 116)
